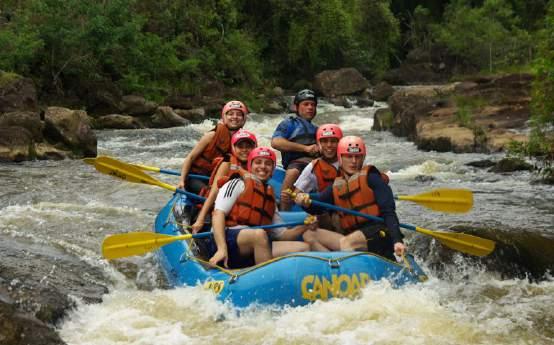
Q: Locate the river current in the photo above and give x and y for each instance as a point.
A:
(68, 207)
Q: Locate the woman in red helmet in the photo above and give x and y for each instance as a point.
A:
(216, 143)
(364, 189)
(246, 201)
(242, 143)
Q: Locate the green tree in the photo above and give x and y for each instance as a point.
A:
(487, 36)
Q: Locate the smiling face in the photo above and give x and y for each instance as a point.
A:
(307, 109)
(328, 148)
(234, 119)
(352, 163)
(243, 148)
(262, 168)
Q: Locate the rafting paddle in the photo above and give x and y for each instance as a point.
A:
(138, 243)
(149, 168)
(127, 172)
(464, 243)
(442, 199)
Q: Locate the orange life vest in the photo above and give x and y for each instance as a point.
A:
(324, 172)
(234, 167)
(355, 194)
(218, 147)
(255, 205)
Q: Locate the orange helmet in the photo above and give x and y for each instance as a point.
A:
(264, 152)
(328, 130)
(242, 134)
(350, 145)
(234, 105)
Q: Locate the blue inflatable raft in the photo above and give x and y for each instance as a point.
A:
(294, 280)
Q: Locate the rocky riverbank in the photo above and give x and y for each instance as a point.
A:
(481, 114)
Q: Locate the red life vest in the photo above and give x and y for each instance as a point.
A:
(355, 194)
(218, 147)
(324, 172)
(255, 205)
(234, 166)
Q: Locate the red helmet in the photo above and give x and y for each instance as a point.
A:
(242, 134)
(234, 105)
(351, 145)
(261, 151)
(328, 130)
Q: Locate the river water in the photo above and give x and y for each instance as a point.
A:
(508, 298)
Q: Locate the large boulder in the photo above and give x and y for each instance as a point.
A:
(117, 121)
(137, 105)
(165, 117)
(17, 93)
(483, 114)
(72, 128)
(344, 81)
(26, 119)
(16, 144)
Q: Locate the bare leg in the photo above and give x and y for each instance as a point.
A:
(288, 182)
(254, 241)
(323, 240)
(354, 241)
(281, 248)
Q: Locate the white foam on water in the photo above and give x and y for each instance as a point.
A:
(417, 314)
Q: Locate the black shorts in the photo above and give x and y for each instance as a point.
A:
(378, 240)
(235, 260)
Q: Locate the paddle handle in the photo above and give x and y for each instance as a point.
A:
(356, 213)
(264, 227)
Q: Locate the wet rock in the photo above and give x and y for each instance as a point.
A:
(180, 102)
(137, 105)
(192, 115)
(274, 107)
(341, 101)
(72, 128)
(344, 81)
(22, 329)
(424, 178)
(38, 284)
(117, 121)
(479, 115)
(382, 120)
(364, 102)
(26, 119)
(511, 165)
(485, 163)
(165, 117)
(17, 93)
(382, 91)
(16, 144)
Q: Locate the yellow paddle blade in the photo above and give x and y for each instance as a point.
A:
(136, 243)
(444, 200)
(146, 167)
(127, 172)
(464, 243)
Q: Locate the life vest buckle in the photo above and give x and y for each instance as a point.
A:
(334, 263)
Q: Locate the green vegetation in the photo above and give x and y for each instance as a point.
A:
(467, 107)
(541, 140)
(7, 77)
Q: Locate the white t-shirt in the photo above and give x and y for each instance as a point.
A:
(307, 181)
(228, 195)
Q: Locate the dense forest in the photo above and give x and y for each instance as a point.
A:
(164, 47)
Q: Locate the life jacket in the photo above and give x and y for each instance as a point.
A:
(355, 194)
(324, 172)
(255, 205)
(303, 132)
(234, 167)
(218, 147)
